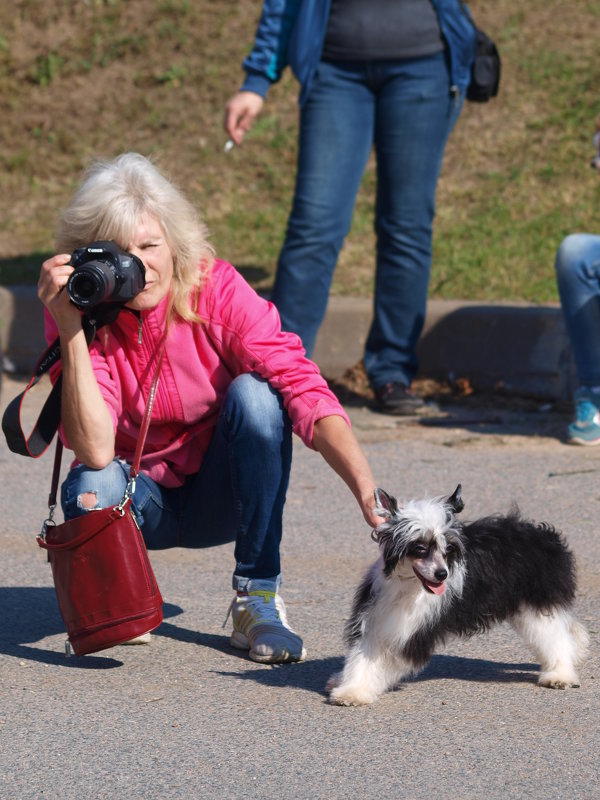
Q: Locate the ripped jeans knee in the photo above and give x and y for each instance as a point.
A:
(86, 489)
(88, 501)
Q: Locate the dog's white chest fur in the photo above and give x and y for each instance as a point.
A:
(401, 609)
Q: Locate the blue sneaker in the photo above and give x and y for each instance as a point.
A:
(586, 427)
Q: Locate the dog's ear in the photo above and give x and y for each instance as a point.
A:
(385, 534)
(455, 500)
(385, 504)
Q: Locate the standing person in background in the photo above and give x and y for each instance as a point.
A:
(578, 277)
(380, 73)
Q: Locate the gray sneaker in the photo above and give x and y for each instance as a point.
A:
(260, 625)
(397, 398)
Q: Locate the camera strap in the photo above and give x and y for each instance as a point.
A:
(48, 420)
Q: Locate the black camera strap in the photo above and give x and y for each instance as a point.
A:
(48, 420)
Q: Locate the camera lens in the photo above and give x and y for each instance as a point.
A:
(91, 283)
(85, 287)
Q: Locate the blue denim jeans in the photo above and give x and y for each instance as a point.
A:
(238, 494)
(578, 277)
(407, 111)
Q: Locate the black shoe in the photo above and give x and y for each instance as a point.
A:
(396, 398)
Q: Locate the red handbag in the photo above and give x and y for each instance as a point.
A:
(106, 590)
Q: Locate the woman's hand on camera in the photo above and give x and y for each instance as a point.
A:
(85, 417)
(54, 275)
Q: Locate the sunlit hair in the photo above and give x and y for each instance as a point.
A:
(110, 203)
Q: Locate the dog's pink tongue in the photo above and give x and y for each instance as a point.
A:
(436, 588)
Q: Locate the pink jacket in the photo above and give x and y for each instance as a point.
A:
(240, 333)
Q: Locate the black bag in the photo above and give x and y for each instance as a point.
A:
(485, 70)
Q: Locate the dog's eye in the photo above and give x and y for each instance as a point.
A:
(419, 551)
(453, 552)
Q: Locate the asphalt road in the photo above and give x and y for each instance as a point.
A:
(189, 717)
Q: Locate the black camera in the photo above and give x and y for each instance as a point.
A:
(104, 274)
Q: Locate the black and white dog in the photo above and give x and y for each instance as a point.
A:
(437, 577)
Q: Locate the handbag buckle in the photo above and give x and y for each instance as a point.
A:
(49, 522)
(127, 495)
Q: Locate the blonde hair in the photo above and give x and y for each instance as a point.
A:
(110, 203)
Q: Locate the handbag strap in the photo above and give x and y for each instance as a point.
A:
(135, 466)
(137, 457)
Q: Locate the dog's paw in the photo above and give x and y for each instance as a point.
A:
(557, 680)
(348, 696)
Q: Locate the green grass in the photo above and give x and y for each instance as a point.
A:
(501, 242)
(79, 80)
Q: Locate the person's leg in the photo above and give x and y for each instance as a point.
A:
(415, 114)
(157, 509)
(578, 277)
(240, 491)
(335, 140)
(86, 489)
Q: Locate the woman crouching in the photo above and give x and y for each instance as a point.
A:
(233, 387)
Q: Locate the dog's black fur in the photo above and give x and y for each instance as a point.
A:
(489, 597)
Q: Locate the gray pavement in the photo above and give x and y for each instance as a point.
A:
(189, 717)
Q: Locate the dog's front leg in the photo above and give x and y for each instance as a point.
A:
(364, 677)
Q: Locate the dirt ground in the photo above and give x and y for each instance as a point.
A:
(453, 413)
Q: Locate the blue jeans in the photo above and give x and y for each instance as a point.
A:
(578, 277)
(238, 494)
(406, 110)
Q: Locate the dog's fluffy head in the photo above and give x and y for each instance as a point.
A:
(420, 537)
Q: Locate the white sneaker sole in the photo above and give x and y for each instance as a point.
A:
(584, 442)
(241, 642)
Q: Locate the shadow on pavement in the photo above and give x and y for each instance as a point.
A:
(476, 669)
(30, 613)
(310, 675)
(190, 636)
(313, 675)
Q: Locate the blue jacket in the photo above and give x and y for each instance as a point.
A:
(292, 32)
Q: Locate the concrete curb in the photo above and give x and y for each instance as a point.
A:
(520, 347)
(21, 327)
